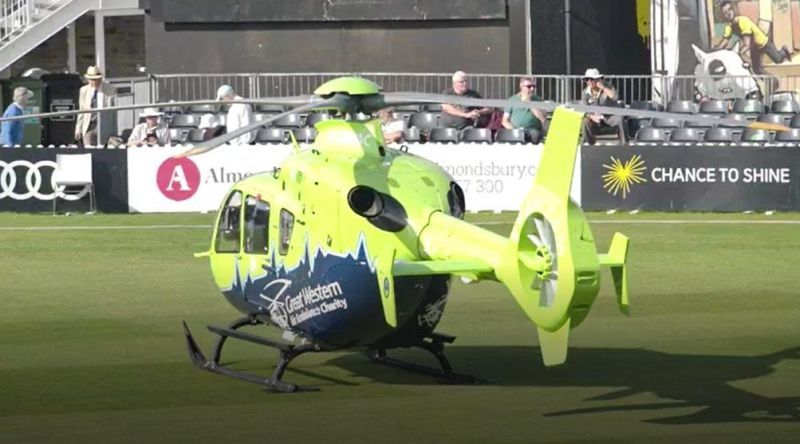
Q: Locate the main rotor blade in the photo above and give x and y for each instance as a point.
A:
(291, 100)
(227, 137)
(412, 98)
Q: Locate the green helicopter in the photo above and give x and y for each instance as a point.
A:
(351, 244)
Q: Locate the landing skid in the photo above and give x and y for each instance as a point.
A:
(434, 344)
(274, 383)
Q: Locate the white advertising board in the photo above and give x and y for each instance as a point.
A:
(494, 177)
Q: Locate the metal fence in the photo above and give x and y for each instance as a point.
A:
(557, 88)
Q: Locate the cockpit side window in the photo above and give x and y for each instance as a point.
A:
(229, 226)
(286, 226)
(256, 216)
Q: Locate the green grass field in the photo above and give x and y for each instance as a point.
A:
(91, 348)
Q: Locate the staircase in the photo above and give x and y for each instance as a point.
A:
(25, 24)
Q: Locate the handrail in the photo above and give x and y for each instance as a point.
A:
(17, 16)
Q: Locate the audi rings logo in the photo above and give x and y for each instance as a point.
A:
(23, 180)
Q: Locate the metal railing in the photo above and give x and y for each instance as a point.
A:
(558, 88)
(16, 16)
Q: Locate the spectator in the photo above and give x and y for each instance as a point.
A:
(239, 115)
(460, 117)
(392, 128)
(600, 94)
(150, 132)
(93, 95)
(755, 42)
(210, 126)
(529, 119)
(12, 130)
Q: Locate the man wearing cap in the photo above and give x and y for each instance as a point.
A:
(239, 115)
(151, 131)
(460, 117)
(600, 94)
(11, 132)
(93, 95)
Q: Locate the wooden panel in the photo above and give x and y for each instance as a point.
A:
(781, 23)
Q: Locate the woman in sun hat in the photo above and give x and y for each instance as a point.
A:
(150, 132)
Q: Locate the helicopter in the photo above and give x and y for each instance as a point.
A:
(351, 244)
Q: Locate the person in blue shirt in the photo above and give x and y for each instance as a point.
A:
(11, 132)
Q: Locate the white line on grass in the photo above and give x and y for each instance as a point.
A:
(484, 223)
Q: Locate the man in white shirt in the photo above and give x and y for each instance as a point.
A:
(151, 131)
(392, 128)
(239, 115)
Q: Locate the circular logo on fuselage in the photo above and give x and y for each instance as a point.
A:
(178, 179)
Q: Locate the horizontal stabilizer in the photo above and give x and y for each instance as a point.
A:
(424, 268)
(554, 344)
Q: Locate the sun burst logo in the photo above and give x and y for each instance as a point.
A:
(621, 176)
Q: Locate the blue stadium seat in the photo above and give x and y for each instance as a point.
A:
(424, 121)
(477, 135)
(714, 107)
(443, 135)
(784, 107)
(718, 135)
(680, 106)
(651, 134)
(685, 135)
(505, 135)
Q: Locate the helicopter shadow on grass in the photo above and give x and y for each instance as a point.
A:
(682, 381)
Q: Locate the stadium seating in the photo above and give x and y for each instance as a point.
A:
(795, 122)
(694, 124)
(305, 134)
(194, 135)
(755, 135)
(313, 118)
(505, 135)
(263, 116)
(788, 136)
(176, 135)
(412, 135)
(203, 109)
(772, 118)
(433, 107)
(680, 106)
(748, 106)
(424, 121)
(718, 135)
(742, 118)
(477, 135)
(686, 135)
(651, 134)
(444, 135)
(665, 122)
(272, 135)
(288, 121)
(644, 105)
(269, 108)
(184, 121)
(784, 107)
(714, 107)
